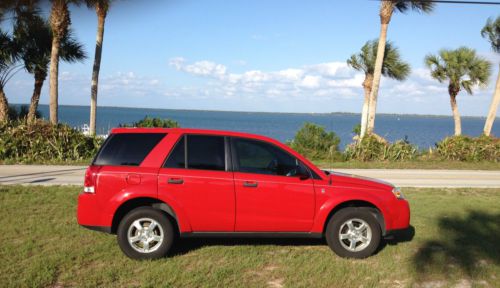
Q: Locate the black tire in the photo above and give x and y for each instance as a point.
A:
(357, 215)
(164, 227)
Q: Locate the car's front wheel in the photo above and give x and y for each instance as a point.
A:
(353, 232)
(145, 233)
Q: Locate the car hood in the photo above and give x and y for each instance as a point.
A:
(339, 178)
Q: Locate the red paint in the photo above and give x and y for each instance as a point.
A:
(217, 201)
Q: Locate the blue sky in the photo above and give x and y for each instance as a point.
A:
(275, 56)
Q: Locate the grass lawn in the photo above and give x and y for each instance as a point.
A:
(456, 242)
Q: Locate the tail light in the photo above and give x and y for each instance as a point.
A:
(89, 182)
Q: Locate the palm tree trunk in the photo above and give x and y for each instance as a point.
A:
(54, 81)
(492, 114)
(386, 9)
(4, 106)
(456, 115)
(101, 17)
(35, 98)
(367, 87)
(59, 22)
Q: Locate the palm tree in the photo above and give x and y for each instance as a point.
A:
(101, 9)
(34, 36)
(59, 23)
(393, 67)
(463, 69)
(492, 31)
(8, 67)
(387, 8)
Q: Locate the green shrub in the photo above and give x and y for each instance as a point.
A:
(149, 122)
(464, 148)
(374, 149)
(313, 142)
(356, 129)
(42, 142)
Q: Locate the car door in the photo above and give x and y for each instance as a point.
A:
(270, 197)
(197, 176)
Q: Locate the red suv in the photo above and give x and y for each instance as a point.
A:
(151, 186)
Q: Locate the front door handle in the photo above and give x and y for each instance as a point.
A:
(175, 180)
(250, 184)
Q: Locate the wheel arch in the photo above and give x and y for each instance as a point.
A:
(133, 203)
(376, 211)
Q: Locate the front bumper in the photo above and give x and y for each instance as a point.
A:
(400, 216)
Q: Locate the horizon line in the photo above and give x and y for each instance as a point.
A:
(266, 112)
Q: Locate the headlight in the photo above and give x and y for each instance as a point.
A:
(397, 192)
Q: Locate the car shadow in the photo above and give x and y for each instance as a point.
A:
(186, 245)
(396, 237)
(468, 243)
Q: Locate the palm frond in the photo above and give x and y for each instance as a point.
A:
(425, 6)
(491, 31)
(461, 67)
(71, 49)
(392, 66)
(356, 63)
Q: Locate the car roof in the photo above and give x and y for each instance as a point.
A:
(188, 131)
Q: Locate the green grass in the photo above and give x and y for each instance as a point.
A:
(456, 242)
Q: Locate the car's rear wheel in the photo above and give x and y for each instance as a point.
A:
(353, 232)
(145, 233)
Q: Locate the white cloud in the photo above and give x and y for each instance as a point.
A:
(354, 82)
(310, 82)
(200, 68)
(332, 69)
(329, 82)
(291, 74)
(206, 68)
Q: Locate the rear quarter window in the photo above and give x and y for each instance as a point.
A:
(127, 149)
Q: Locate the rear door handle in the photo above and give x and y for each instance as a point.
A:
(175, 180)
(250, 184)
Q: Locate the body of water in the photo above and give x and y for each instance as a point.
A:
(423, 131)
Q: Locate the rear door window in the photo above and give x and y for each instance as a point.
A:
(204, 152)
(127, 149)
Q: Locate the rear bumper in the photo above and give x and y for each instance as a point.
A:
(89, 212)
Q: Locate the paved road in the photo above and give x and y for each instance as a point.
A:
(73, 175)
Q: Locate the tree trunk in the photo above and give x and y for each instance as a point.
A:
(54, 81)
(101, 17)
(386, 9)
(492, 114)
(456, 115)
(4, 106)
(37, 90)
(367, 87)
(59, 22)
